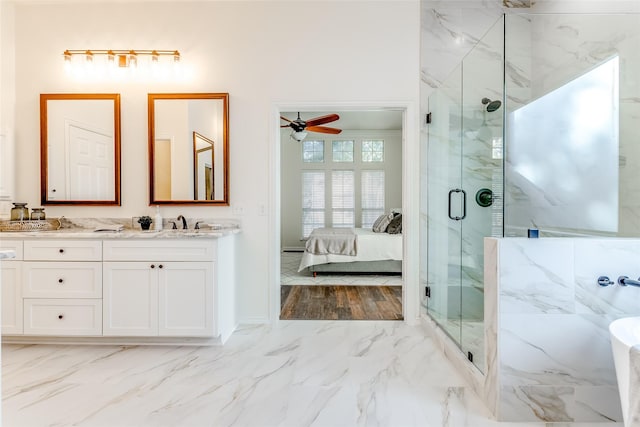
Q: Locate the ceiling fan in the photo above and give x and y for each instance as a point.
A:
(301, 127)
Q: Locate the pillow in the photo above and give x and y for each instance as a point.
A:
(380, 224)
(395, 226)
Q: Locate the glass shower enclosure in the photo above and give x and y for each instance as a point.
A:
(535, 129)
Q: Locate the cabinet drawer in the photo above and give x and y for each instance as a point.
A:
(62, 316)
(159, 250)
(62, 279)
(14, 245)
(63, 250)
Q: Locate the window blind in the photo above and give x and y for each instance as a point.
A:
(313, 190)
(343, 198)
(372, 193)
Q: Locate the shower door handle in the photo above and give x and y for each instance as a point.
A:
(464, 204)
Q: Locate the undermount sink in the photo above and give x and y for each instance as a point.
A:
(181, 232)
(625, 334)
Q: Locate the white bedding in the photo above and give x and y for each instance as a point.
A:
(371, 247)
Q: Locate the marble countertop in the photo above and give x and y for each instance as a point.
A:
(124, 234)
(105, 229)
(7, 254)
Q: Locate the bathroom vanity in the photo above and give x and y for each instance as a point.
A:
(119, 287)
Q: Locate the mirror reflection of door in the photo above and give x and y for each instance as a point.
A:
(90, 162)
(80, 149)
(203, 169)
(162, 164)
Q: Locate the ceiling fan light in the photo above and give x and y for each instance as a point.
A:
(299, 136)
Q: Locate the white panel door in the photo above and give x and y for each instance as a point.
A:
(186, 299)
(130, 299)
(11, 280)
(91, 164)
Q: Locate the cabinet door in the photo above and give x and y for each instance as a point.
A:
(11, 280)
(185, 291)
(130, 298)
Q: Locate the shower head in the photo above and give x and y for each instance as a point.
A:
(491, 105)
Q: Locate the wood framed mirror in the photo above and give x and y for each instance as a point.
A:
(80, 149)
(188, 148)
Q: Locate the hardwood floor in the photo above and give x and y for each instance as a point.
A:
(341, 302)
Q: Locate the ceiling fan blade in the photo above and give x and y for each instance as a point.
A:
(322, 120)
(284, 118)
(285, 126)
(323, 129)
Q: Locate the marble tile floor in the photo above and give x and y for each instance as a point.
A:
(295, 373)
(289, 262)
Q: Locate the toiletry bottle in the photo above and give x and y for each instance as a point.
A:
(157, 221)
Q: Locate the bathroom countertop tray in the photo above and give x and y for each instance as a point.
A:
(36, 225)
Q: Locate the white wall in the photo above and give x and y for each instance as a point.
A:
(7, 107)
(258, 52)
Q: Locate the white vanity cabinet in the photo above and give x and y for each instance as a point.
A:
(120, 290)
(11, 281)
(62, 287)
(161, 288)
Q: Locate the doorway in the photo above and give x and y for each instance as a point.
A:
(345, 180)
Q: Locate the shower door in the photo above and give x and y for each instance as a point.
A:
(444, 175)
(464, 191)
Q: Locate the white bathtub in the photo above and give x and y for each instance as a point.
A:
(625, 333)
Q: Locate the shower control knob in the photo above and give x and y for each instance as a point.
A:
(484, 197)
(605, 281)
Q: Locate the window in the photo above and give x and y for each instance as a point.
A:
(342, 199)
(373, 151)
(312, 201)
(372, 188)
(342, 151)
(346, 187)
(313, 151)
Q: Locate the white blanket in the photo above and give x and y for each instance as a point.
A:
(371, 247)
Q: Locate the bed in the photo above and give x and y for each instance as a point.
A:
(373, 253)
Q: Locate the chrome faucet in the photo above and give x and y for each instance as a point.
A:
(184, 222)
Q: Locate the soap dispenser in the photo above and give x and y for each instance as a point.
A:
(157, 221)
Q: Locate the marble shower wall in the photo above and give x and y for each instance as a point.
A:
(542, 300)
(449, 30)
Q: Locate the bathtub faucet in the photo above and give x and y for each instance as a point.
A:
(625, 281)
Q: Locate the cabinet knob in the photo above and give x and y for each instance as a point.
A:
(160, 266)
(60, 316)
(61, 251)
(153, 266)
(60, 280)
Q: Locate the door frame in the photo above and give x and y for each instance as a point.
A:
(410, 197)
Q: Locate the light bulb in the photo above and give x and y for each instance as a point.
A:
(133, 59)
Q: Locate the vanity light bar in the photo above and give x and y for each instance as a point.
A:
(124, 58)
